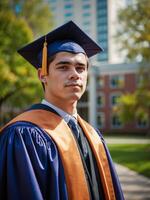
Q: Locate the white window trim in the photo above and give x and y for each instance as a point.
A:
(142, 127)
(103, 116)
(114, 94)
(110, 78)
(115, 126)
(103, 101)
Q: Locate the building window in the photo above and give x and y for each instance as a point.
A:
(116, 121)
(103, 36)
(102, 12)
(102, 20)
(86, 14)
(104, 43)
(139, 80)
(68, 14)
(86, 6)
(100, 100)
(86, 23)
(115, 99)
(101, 120)
(103, 56)
(103, 27)
(100, 82)
(116, 81)
(68, 6)
(103, 4)
(142, 123)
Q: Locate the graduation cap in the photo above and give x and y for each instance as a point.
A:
(68, 37)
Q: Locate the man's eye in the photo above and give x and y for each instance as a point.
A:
(80, 69)
(62, 67)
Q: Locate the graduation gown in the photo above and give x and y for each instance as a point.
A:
(34, 166)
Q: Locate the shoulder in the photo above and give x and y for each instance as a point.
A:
(27, 141)
(19, 127)
(90, 127)
(99, 133)
(25, 134)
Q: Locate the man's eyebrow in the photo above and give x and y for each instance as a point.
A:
(63, 62)
(69, 63)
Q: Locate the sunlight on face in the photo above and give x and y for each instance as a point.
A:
(67, 78)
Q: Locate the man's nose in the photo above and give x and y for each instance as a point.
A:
(73, 74)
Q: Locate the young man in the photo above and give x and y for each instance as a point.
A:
(49, 152)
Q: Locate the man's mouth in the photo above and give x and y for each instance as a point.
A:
(73, 85)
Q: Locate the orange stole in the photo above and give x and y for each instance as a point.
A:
(61, 134)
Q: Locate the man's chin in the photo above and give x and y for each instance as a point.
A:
(75, 97)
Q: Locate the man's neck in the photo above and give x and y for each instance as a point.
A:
(70, 108)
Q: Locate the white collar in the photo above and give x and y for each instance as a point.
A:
(61, 112)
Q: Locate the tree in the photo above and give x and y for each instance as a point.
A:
(134, 36)
(16, 76)
(134, 30)
(35, 12)
(19, 85)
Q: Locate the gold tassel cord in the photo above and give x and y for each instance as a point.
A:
(44, 58)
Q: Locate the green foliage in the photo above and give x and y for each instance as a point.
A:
(14, 33)
(17, 78)
(126, 107)
(36, 13)
(19, 84)
(134, 30)
(126, 154)
(134, 36)
(137, 104)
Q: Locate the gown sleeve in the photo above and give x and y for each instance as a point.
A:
(30, 166)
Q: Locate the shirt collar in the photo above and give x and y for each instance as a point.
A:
(61, 112)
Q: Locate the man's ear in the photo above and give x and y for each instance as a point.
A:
(40, 76)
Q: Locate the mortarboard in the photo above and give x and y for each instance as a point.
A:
(68, 37)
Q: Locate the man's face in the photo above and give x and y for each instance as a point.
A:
(67, 78)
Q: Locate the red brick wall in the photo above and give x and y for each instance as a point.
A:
(129, 87)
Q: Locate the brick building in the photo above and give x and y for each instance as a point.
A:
(107, 82)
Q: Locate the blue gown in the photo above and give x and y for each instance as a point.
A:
(31, 168)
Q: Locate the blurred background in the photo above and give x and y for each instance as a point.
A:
(117, 99)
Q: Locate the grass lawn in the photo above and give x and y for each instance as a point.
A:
(134, 156)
